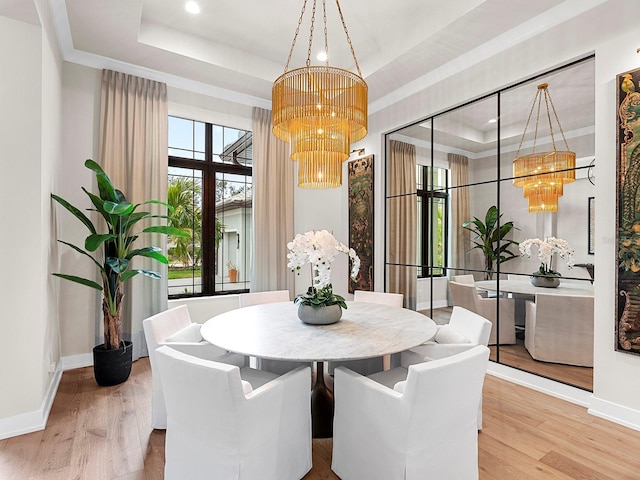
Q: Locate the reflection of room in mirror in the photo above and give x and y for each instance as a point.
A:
(477, 143)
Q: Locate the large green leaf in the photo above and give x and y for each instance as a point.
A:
(80, 280)
(93, 242)
(157, 202)
(118, 265)
(120, 209)
(149, 252)
(132, 273)
(76, 212)
(176, 232)
(79, 250)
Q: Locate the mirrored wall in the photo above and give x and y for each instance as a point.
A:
(457, 215)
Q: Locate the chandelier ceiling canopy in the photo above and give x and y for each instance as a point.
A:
(320, 110)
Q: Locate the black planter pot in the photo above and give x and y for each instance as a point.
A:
(112, 367)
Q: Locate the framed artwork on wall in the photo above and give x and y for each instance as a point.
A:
(361, 219)
(627, 213)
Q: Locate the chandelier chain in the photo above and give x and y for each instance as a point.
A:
(526, 126)
(326, 38)
(295, 35)
(555, 114)
(546, 102)
(313, 21)
(344, 25)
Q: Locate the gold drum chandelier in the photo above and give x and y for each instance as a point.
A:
(542, 175)
(320, 110)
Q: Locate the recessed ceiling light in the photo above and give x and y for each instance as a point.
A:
(322, 56)
(192, 7)
(492, 120)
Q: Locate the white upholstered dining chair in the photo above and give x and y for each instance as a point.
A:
(174, 327)
(464, 331)
(367, 366)
(559, 329)
(224, 424)
(260, 298)
(422, 427)
(466, 296)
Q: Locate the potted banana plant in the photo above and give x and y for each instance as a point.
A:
(112, 249)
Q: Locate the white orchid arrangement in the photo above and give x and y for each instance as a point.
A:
(319, 248)
(546, 249)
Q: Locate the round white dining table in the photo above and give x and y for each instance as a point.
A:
(273, 331)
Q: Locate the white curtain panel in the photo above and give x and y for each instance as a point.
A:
(273, 183)
(133, 152)
(403, 215)
(459, 167)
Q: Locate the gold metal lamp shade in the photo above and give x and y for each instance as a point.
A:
(320, 110)
(542, 175)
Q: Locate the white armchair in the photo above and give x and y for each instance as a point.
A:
(368, 366)
(259, 298)
(465, 330)
(466, 296)
(222, 426)
(174, 327)
(424, 428)
(559, 329)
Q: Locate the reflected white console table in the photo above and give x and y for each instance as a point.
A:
(274, 331)
(522, 287)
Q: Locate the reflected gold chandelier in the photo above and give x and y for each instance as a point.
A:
(320, 110)
(542, 175)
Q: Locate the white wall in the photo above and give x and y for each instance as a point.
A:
(615, 373)
(29, 135)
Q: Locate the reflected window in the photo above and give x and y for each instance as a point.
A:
(433, 212)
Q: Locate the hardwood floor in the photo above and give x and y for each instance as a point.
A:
(104, 433)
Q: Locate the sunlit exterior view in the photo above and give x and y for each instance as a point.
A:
(210, 188)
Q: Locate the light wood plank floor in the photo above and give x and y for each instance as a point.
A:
(104, 433)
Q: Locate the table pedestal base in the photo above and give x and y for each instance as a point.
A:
(322, 405)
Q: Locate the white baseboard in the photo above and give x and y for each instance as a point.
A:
(35, 420)
(613, 412)
(76, 361)
(544, 385)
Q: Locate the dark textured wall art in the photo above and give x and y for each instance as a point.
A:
(628, 212)
(361, 219)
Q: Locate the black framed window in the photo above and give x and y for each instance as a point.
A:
(210, 187)
(433, 213)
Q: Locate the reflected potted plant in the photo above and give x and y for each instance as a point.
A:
(490, 239)
(232, 268)
(319, 305)
(112, 249)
